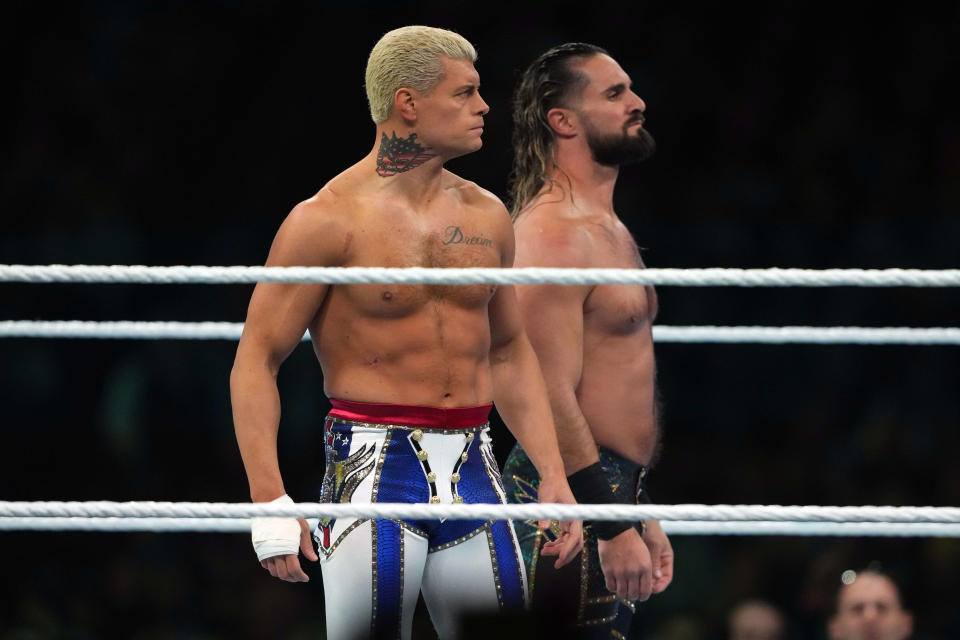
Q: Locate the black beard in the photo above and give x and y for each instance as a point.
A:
(622, 149)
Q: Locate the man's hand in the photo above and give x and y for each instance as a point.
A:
(287, 567)
(570, 542)
(661, 555)
(626, 565)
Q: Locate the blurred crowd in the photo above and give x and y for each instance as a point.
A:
(166, 133)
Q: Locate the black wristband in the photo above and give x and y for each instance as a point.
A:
(590, 486)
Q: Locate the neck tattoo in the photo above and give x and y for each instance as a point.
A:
(397, 155)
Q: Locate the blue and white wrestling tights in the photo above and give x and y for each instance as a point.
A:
(373, 570)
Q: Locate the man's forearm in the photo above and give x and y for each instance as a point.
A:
(521, 399)
(577, 446)
(256, 418)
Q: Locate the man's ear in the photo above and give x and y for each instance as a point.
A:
(563, 122)
(404, 103)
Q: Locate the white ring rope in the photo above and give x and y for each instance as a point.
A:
(873, 529)
(720, 512)
(689, 519)
(672, 527)
(687, 334)
(809, 335)
(531, 275)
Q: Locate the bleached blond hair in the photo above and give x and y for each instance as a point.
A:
(410, 57)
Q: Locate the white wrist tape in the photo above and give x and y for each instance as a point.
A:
(275, 536)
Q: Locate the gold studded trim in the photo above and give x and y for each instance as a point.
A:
(373, 425)
(403, 554)
(584, 578)
(354, 460)
(494, 564)
(628, 604)
(373, 583)
(582, 620)
(457, 499)
(353, 481)
(616, 635)
(453, 543)
(409, 527)
(329, 552)
(596, 621)
(380, 459)
(429, 474)
(373, 563)
(518, 555)
(356, 523)
(532, 572)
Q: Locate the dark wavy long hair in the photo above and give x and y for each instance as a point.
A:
(548, 82)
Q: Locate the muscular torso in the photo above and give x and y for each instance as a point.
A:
(411, 344)
(616, 391)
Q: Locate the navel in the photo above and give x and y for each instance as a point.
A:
(387, 296)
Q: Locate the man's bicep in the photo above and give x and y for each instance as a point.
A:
(280, 313)
(553, 318)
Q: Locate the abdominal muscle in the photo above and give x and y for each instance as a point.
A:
(434, 354)
(616, 395)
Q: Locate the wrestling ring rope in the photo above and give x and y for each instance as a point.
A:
(529, 275)
(675, 519)
(689, 334)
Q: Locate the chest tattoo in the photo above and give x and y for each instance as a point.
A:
(453, 235)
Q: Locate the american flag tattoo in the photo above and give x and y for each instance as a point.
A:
(397, 155)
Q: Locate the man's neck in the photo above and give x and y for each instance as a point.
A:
(590, 184)
(404, 163)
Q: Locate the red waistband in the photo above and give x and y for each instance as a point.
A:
(411, 415)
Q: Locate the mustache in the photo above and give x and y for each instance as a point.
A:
(637, 116)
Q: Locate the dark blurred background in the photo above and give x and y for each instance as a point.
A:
(166, 133)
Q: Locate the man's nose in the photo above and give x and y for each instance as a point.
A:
(483, 108)
(637, 102)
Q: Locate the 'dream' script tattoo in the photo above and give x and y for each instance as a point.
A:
(453, 235)
(397, 155)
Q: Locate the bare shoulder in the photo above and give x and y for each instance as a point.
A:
(548, 236)
(482, 202)
(317, 231)
(473, 195)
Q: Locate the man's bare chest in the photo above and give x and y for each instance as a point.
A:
(619, 309)
(447, 244)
